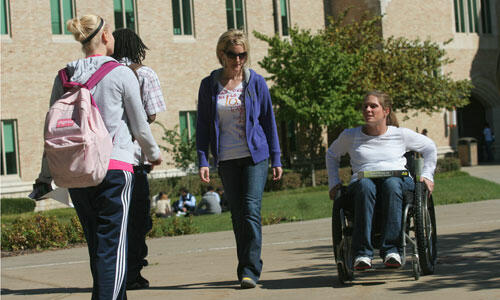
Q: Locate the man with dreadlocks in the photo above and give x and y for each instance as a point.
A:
(131, 51)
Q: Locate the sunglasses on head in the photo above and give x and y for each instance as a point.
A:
(233, 55)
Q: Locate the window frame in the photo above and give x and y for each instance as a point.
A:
(471, 17)
(124, 16)
(181, 18)
(191, 116)
(234, 15)
(278, 18)
(3, 165)
(7, 18)
(62, 22)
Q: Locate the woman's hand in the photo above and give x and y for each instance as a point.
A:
(428, 183)
(334, 190)
(277, 172)
(204, 174)
(156, 162)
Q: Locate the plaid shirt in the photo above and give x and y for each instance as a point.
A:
(152, 97)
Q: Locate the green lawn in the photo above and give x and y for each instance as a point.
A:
(313, 203)
(459, 187)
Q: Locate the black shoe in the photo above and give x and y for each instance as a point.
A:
(40, 189)
(139, 283)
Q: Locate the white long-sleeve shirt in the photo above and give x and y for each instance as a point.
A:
(379, 153)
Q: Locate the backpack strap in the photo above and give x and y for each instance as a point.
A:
(93, 80)
(100, 73)
(63, 75)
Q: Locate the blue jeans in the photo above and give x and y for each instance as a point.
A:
(244, 184)
(389, 193)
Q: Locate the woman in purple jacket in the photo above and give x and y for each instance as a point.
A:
(236, 119)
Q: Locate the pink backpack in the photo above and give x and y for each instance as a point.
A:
(77, 144)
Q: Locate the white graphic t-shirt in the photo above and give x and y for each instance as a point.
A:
(231, 113)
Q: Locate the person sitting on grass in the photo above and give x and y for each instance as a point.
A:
(162, 206)
(209, 204)
(186, 202)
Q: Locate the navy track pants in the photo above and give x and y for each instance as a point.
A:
(103, 213)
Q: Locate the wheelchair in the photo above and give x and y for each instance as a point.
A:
(418, 229)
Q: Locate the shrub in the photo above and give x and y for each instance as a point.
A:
(17, 205)
(172, 226)
(447, 164)
(36, 232)
(289, 180)
(74, 231)
(42, 232)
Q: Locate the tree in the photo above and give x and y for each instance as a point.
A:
(182, 149)
(320, 80)
(408, 70)
(311, 79)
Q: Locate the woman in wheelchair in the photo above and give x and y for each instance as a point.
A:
(379, 145)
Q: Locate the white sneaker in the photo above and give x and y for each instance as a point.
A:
(392, 260)
(362, 263)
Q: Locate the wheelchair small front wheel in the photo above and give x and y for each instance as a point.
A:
(341, 272)
(425, 227)
(416, 268)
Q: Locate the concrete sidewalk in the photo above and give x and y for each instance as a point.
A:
(298, 264)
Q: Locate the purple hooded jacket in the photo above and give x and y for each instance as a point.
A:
(261, 132)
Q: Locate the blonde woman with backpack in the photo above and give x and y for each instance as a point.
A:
(103, 208)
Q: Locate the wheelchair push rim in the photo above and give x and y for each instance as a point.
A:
(425, 229)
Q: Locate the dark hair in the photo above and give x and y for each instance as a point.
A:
(219, 189)
(210, 188)
(129, 44)
(183, 190)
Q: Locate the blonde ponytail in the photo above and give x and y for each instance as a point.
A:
(84, 27)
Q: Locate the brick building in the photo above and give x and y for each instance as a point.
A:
(182, 36)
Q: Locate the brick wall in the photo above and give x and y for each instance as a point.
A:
(31, 57)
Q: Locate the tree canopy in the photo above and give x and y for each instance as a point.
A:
(320, 79)
(410, 71)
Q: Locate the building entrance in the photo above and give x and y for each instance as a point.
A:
(471, 119)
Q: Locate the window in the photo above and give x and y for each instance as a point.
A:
(61, 11)
(125, 14)
(282, 17)
(182, 16)
(5, 17)
(472, 16)
(187, 124)
(10, 161)
(235, 13)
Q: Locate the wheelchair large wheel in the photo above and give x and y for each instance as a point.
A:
(342, 248)
(345, 269)
(425, 227)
